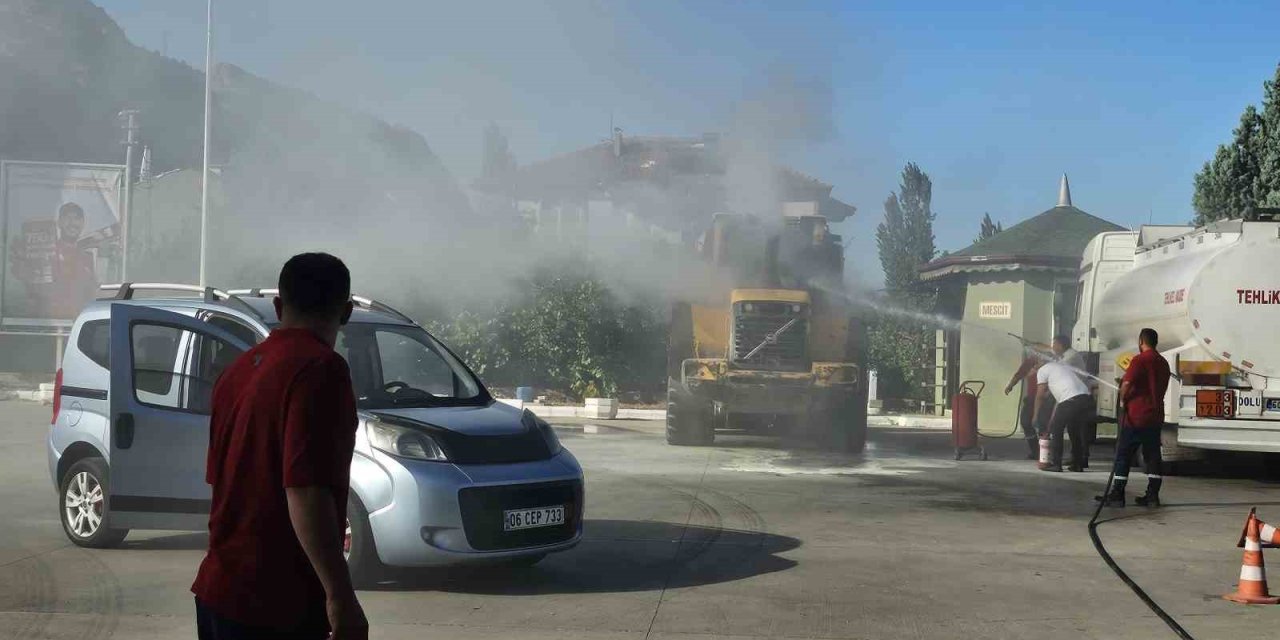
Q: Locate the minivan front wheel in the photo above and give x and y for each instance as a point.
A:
(358, 546)
(84, 502)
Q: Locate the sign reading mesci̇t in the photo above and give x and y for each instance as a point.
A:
(995, 310)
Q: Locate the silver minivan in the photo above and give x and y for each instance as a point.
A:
(442, 472)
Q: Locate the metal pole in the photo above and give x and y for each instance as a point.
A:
(130, 141)
(204, 180)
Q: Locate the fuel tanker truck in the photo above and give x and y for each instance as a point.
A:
(773, 344)
(1213, 294)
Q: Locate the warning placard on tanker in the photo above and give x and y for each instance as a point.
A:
(1215, 403)
(995, 310)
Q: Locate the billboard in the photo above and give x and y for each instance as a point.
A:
(60, 226)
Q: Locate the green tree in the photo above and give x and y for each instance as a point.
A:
(989, 228)
(1246, 172)
(905, 238)
(898, 345)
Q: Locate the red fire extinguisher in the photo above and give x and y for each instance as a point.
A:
(964, 418)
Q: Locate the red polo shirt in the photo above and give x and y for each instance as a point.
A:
(1027, 371)
(1148, 378)
(283, 416)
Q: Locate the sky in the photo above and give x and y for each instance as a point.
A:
(995, 101)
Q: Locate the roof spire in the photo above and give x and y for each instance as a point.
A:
(1064, 193)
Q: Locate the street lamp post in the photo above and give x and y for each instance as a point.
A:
(129, 119)
(204, 181)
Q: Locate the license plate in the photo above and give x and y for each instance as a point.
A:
(1215, 403)
(529, 518)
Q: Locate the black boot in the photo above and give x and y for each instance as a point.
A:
(1115, 498)
(1152, 497)
(1033, 449)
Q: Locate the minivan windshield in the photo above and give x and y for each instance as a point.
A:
(397, 367)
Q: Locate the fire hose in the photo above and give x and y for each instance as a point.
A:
(1106, 557)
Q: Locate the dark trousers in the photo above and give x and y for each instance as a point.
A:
(1032, 428)
(211, 626)
(1128, 442)
(1027, 418)
(1070, 417)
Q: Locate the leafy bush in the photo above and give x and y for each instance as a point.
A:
(563, 329)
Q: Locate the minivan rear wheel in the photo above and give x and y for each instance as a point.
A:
(84, 502)
(359, 548)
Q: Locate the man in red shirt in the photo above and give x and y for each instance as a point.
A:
(1141, 417)
(1026, 374)
(280, 443)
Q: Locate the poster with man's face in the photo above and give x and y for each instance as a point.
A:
(61, 233)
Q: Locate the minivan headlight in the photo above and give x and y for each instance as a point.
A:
(548, 433)
(405, 442)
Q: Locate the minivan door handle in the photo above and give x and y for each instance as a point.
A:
(123, 436)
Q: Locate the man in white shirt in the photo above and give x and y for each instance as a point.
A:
(1069, 414)
(1074, 359)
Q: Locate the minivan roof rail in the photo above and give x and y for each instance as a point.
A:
(359, 300)
(125, 291)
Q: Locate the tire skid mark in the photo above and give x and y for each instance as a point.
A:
(107, 599)
(710, 525)
(727, 554)
(752, 522)
(43, 581)
(37, 593)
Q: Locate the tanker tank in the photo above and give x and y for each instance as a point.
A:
(1216, 288)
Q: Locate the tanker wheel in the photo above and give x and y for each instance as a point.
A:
(687, 424)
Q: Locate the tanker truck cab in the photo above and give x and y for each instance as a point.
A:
(1108, 256)
(1213, 294)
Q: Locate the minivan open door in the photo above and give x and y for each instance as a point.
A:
(163, 367)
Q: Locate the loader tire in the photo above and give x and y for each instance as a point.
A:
(846, 426)
(687, 424)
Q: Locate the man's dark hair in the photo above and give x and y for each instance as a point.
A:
(1149, 337)
(1062, 340)
(315, 284)
(70, 209)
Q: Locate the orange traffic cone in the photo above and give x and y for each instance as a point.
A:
(1268, 535)
(1253, 574)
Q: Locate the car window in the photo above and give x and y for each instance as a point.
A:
(95, 342)
(240, 330)
(413, 363)
(176, 368)
(395, 366)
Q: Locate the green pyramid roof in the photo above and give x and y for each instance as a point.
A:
(1054, 239)
(1062, 231)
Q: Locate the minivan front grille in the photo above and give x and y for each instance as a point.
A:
(755, 322)
(483, 511)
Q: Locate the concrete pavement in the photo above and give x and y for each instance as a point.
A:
(746, 539)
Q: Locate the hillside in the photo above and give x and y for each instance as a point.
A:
(67, 69)
(293, 172)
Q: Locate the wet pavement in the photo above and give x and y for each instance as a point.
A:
(751, 538)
